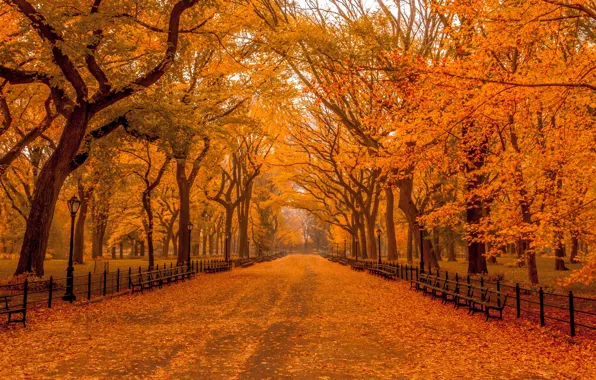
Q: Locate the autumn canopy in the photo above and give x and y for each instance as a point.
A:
(464, 127)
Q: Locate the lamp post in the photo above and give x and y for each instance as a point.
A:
(344, 247)
(356, 248)
(379, 239)
(189, 226)
(73, 207)
(421, 247)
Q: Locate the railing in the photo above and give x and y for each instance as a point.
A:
(45, 293)
(564, 311)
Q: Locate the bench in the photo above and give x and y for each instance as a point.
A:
(473, 294)
(14, 310)
(383, 270)
(141, 284)
(217, 266)
(486, 306)
(245, 263)
(358, 266)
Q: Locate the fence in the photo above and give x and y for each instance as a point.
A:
(45, 293)
(564, 311)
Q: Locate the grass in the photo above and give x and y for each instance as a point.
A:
(547, 275)
(57, 268)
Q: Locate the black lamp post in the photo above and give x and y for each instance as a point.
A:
(189, 226)
(421, 247)
(73, 207)
(356, 248)
(379, 239)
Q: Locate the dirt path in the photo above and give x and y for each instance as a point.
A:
(297, 317)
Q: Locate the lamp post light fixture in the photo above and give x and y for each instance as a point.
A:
(73, 207)
(379, 239)
(189, 226)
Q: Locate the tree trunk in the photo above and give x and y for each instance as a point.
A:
(99, 216)
(166, 244)
(363, 244)
(475, 149)
(47, 188)
(121, 249)
(451, 247)
(409, 247)
(560, 251)
(114, 253)
(228, 232)
(79, 239)
(390, 224)
(243, 211)
(146, 200)
(407, 206)
(184, 216)
(574, 249)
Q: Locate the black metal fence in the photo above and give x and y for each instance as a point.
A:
(564, 311)
(45, 293)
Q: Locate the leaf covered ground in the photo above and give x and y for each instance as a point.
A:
(296, 317)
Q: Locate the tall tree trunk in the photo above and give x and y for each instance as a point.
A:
(114, 253)
(243, 211)
(79, 239)
(363, 243)
(451, 247)
(409, 248)
(407, 206)
(99, 216)
(475, 149)
(371, 237)
(184, 216)
(560, 251)
(121, 249)
(47, 188)
(228, 232)
(574, 249)
(390, 224)
(148, 225)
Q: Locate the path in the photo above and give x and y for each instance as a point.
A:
(300, 316)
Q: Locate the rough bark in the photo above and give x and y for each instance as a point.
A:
(390, 224)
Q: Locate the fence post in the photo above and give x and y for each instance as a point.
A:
(89, 286)
(129, 274)
(517, 300)
(456, 278)
(499, 293)
(50, 291)
(481, 282)
(571, 315)
(446, 276)
(118, 280)
(105, 282)
(541, 299)
(417, 278)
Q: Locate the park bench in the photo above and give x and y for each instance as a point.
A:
(473, 294)
(359, 266)
(485, 306)
(141, 283)
(217, 266)
(246, 263)
(343, 261)
(383, 270)
(10, 311)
